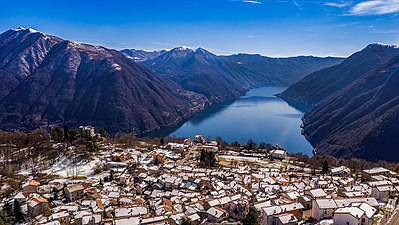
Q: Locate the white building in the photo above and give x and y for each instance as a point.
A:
(278, 154)
(355, 214)
(323, 208)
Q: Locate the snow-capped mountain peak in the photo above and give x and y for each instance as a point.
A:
(383, 45)
(31, 30)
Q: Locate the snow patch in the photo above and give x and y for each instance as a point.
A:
(66, 168)
(31, 30)
(385, 45)
(116, 66)
(184, 48)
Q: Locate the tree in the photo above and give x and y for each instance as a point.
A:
(6, 214)
(250, 219)
(66, 133)
(103, 133)
(162, 141)
(91, 147)
(58, 134)
(73, 135)
(235, 144)
(251, 145)
(207, 159)
(396, 168)
(186, 221)
(325, 167)
(111, 175)
(262, 145)
(17, 212)
(157, 160)
(218, 139)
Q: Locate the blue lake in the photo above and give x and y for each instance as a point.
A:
(258, 115)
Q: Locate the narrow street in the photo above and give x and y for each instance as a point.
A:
(183, 160)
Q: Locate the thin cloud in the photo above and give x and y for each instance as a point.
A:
(297, 4)
(375, 7)
(252, 1)
(338, 4)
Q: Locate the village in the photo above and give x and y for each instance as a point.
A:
(195, 182)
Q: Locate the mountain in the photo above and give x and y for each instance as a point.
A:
(281, 71)
(199, 71)
(319, 85)
(358, 116)
(141, 55)
(21, 52)
(223, 78)
(77, 84)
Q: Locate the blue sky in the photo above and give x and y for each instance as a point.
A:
(268, 27)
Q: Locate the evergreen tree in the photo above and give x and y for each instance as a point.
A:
(162, 141)
(103, 133)
(17, 212)
(58, 134)
(186, 221)
(250, 219)
(6, 214)
(66, 133)
(251, 145)
(325, 167)
(111, 175)
(207, 159)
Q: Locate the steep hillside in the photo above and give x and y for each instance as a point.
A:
(223, 78)
(281, 71)
(319, 85)
(361, 120)
(21, 52)
(141, 55)
(78, 84)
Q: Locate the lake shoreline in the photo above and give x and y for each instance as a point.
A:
(257, 115)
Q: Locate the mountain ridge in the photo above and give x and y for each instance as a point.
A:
(356, 115)
(204, 72)
(77, 84)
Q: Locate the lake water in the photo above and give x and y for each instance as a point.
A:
(258, 115)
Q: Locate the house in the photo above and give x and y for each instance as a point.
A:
(198, 138)
(216, 214)
(278, 154)
(316, 193)
(74, 192)
(292, 195)
(30, 186)
(62, 217)
(91, 219)
(37, 206)
(285, 219)
(211, 203)
(383, 193)
(367, 174)
(21, 197)
(357, 213)
(87, 131)
(306, 201)
(128, 221)
(340, 171)
(348, 216)
(323, 208)
(121, 213)
(268, 214)
(120, 157)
